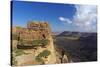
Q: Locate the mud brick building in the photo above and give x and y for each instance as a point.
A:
(33, 31)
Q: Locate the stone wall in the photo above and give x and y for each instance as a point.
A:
(34, 30)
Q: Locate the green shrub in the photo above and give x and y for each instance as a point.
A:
(38, 59)
(45, 53)
(34, 43)
(19, 52)
(26, 42)
(43, 42)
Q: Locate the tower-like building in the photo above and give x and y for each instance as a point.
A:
(34, 30)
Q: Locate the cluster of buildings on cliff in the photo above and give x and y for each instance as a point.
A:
(33, 30)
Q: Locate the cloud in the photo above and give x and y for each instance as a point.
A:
(85, 18)
(64, 20)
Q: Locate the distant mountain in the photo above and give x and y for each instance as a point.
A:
(80, 34)
(80, 50)
(56, 33)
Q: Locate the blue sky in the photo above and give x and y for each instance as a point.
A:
(59, 16)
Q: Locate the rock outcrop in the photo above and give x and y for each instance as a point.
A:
(32, 36)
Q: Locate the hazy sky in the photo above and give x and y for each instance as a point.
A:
(61, 17)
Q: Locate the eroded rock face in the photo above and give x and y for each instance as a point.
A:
(33, 31)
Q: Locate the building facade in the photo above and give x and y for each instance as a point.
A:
(33, 31)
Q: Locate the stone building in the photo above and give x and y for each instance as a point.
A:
(34, 30)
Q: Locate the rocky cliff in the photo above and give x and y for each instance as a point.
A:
(33, 44)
